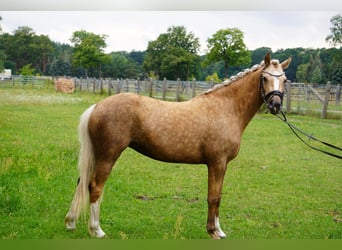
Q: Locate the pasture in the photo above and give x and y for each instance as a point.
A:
(275, 189)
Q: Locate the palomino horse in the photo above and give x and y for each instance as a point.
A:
(158, 129)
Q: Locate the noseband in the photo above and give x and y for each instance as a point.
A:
(267, 96)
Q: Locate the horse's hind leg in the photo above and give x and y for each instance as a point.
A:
(102, 172)
(71, 217)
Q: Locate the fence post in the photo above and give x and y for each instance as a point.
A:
(127, 85)
(118, 86)
(74, 83)
(94, 85)
(193, 87)
(164, 88)
(87, 83)
(326, 101)
(109, 86)
(101, 86)
(288, 97)
(338, 94)
(211, 83)
(138, 86)
(150, 89)
(178, 90)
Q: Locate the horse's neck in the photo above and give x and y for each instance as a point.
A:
(245, 95)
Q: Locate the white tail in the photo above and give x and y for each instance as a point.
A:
(86, 166)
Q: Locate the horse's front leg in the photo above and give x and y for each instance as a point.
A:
(216, 174)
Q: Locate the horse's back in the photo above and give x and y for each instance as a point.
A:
(168, 131)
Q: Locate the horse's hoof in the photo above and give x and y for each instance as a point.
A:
(97, 232)
(217, 234)
(70, 223)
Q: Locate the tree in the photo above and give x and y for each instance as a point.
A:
(59, 67)
(213, 78)
(123, 65)
(2, 54)
(60, 60)
(337, 73)
(173, 55)
(335, 36)
(89, 50)
(2, 60)
(299, 56)
(137, 56)
(316, 75)
(18, 47)
(178, 63)
(25, 47)
(27, 70)
(42, 46)
(259, 54)
(228, 45)
(314, 69)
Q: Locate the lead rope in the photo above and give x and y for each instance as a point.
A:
(294, 129)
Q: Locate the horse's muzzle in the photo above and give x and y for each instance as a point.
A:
(274, 104)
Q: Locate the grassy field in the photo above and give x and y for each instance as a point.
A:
(275, 189)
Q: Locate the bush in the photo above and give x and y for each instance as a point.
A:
(214, 77)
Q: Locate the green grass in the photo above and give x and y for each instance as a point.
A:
(275, 189)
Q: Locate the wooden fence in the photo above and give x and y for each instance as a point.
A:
(26, 81)
(322, 100)
(165, 89)
(319, 100)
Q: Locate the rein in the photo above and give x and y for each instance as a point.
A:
(296, 131)
(293, 128)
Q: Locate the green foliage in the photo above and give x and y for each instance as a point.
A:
(301, 74)
(89, 50)
(173, 55)
(25, 47)
(316, 75)
(335, 36)
(258, 55)
(123, 66)
(42, 46)
(59, 67)
(299, 56)
(336, 73)
(27, 70)
(214, 77)
(2, 60)
(228, 45)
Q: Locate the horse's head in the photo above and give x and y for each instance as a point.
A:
(272, 83)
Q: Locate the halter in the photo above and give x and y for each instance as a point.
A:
(267, 96)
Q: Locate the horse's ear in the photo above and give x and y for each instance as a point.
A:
(267, 60)
(286, 63)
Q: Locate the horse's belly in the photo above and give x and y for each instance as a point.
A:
(179, 153)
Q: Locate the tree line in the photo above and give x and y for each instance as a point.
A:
(174, 54)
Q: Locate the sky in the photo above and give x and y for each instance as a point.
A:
(132, 30)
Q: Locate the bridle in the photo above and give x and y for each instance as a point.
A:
(266, 96)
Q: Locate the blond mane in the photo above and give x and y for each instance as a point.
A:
(240, 75)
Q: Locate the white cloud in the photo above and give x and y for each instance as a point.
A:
(132, 30)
